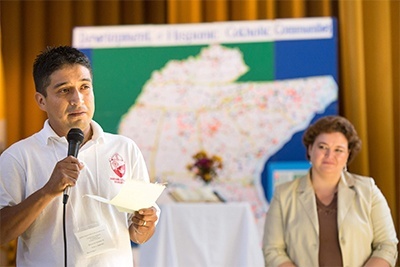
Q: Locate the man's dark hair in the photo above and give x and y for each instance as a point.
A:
(53, 59)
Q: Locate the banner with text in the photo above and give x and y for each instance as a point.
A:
(238, 93)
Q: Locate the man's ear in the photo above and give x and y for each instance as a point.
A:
(41, 101)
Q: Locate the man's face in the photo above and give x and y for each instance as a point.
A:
(70, 99)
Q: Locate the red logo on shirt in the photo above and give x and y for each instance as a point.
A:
(118, 165)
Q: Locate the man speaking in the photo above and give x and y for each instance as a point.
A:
(43, 182)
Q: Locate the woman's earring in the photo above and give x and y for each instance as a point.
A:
(345, 168)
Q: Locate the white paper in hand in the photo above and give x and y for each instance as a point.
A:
(134, 195)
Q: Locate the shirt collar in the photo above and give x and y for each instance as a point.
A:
(345, 179)
(47, 134)
(98, 133)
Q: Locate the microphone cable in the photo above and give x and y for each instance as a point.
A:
(75, 138)
(65, 200)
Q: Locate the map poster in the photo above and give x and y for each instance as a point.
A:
(242, 91)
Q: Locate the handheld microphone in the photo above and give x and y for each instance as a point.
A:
(74, 137)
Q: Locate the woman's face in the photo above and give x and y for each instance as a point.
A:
(329, 153)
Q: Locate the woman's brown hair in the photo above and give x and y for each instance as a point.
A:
(332, 124)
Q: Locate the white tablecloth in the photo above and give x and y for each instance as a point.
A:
(204, 235)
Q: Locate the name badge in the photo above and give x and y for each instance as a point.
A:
(95, 240)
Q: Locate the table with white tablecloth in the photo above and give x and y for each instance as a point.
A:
(204, 234)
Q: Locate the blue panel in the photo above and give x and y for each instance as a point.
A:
(305, 58)
(272, 167)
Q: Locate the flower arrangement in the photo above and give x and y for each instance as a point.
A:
(205, 167)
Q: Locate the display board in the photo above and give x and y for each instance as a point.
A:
(241, 91)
